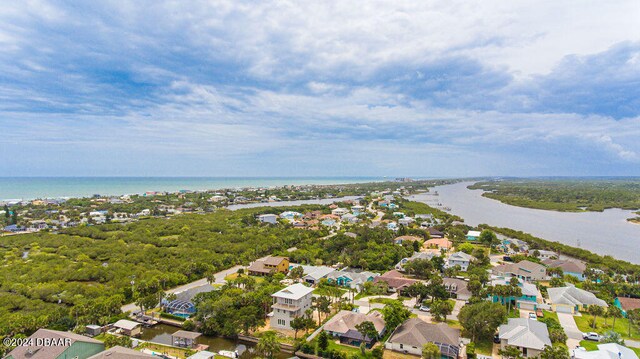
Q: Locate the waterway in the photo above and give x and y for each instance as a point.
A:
(161, 334)
(606, 233)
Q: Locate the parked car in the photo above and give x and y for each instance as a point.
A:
(424, 308)
(533, 316)
(507, 259)
(496, 339)
(591, 336)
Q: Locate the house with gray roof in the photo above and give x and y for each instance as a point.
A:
(351, 278)
(528, 335)
(525, 270)
(344, 324)
(53, 344)
(416, 255)
(413, 334)
(571, 299)
(119, 352)
(605, 351)
(460, 259)
(289, 303)
(313, 274)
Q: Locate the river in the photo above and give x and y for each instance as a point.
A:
(606, 232)
(161, 334)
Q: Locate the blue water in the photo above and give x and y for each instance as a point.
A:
(56, 187)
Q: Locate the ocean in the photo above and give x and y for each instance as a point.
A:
(26, 188)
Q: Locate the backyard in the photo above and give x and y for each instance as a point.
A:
(622, 326)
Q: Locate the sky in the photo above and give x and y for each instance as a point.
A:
(327, 88)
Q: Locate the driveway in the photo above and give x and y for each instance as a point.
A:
(569, 325)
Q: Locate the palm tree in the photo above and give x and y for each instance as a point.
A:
(614, 312)
(268, 344)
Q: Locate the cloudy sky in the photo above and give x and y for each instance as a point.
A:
(286, 88)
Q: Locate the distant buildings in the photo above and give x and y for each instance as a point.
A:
(268, 218)
(290, 303)
(269, 265)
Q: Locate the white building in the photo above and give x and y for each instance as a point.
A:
(290, 303)
(459, 259)
(339, 211)
(268, 218)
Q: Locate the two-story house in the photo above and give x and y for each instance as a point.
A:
(289, 303)
(460, 259)
(269, 265)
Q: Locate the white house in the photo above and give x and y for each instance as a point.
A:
(290, 303)
(268, 218)
(528, 335)
(339, 211)
(605, 351)
(459, 259)
(405, 221)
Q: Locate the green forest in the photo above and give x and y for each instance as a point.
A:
(565, 194)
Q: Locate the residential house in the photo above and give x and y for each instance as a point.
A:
(460, 259)
(434, 233)
(572, 267)
(418, 255)
(392, 226)
(473, 235)
(289, 303)
(514, 245)
(544, 254)
(528, 335)
(525, 270)
(290, 215)
(119, 352)
(268, 218)
(457, 288)
(47, 343)
(344, 324)
(438, 243)
(357, 210)
(350, 218)
(403, 239)
(350, 278)
(626, 304)
(183, 304)
(313, 274)
(405, 221)
(128, 327)
(571, 299)
(413, 334)
(339, 211)
(529, 298)
(395, 280)
(605, 351)
(269, 265)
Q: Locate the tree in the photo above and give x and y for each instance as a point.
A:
(554, 352)
(430, 351)
(323, 305)
(268, 344)
(633, 316)
(323, 341)
(416, 246)
(296, 273)
(511, 352)
(297, 324)
(466, 248)
(367, 329)
(614, 312)
(394, 314)
(481, 320)
(440, 309)
(595, 310)
(489, 238)
(112, 341)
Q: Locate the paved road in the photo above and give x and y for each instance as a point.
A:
(219, 278)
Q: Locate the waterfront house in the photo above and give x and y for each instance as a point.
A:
(525, 270)
(626, 304)
(460, 259)
(289, 303)
(269, 265)
(413, 334)
(529, 336)
(571, 299)
(572, 267)
(350, 218)
(344, 324)
(528, 300)
(268, 218)
(61, 345)
(351, 279)
(185, 339)
(339, 211)
(473, 235)
(405, 221)
(127, 327)
(290, 215)
(544, 254)
(434, 233)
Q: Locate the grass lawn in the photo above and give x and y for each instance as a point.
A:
(514, 313)
(344, 348)
(484, 347)
(622, 326)
(326, 291)
(548, 314)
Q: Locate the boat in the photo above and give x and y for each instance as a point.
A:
(229, 354)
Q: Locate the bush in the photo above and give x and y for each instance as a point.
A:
(471, 350)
